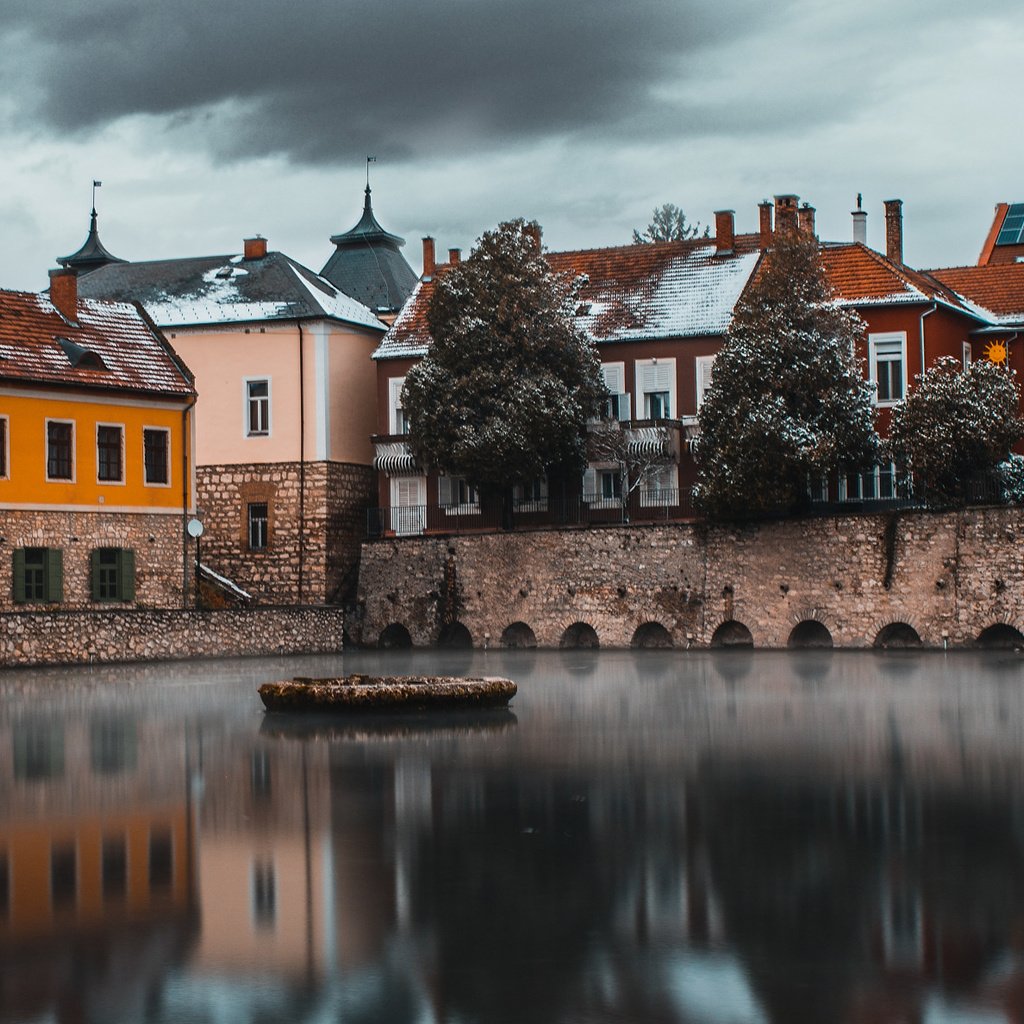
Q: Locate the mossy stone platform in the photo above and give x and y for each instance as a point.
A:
(385, 693)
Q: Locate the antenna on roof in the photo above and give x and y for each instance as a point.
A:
(95, 185)
(369, 160)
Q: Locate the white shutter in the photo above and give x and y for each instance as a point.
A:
(589, 483)
(705, 367)
(445, 495)
(655, 376)
(394, 402)
(614, 377)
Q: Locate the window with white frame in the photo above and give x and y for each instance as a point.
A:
(156, 456)
(60, 450)
(4, 451)
(408, 504)
(617, 405)
(110, 453)
(531, 497)
(888, 366)
(456, 495)
(704, 366)
(257, 407)
(965, 353)
(656, 388)
(397, 421)
(660, 487)
(878, 482)
(602, 486)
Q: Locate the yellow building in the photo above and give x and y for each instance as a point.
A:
(96, 454)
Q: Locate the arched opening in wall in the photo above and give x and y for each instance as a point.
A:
(651, 634)
(1000, 637)
(897, 636)
(455, 636)
(579, 634)
(810, 633)
(394, 637)
(518, 634)
(732, 634)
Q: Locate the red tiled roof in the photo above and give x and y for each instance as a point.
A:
(996, 287)
(134, 358)
(860, 275)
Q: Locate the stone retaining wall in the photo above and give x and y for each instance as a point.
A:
(69, 637)
(947, 575)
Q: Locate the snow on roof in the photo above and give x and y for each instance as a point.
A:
(995, 290)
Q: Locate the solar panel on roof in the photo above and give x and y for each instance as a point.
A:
(1013, 226)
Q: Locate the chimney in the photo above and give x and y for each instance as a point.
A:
(255, 248)
(64, 291)
(860, 222)
(786, 214)
(765, 210)
(725, 231)
(533, 230)
(805, 219)
(454, 255)
(894, 230)
(429, 264)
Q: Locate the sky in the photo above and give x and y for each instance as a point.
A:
(211, 122)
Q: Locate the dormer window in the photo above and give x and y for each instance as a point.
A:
(80, 357)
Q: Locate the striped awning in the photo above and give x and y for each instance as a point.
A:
(649, 443)
(395, 459)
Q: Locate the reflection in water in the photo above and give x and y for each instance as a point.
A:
(728, 836)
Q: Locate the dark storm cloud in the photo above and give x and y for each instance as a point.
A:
(314, 79)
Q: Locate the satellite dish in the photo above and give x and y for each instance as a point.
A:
(195, 528)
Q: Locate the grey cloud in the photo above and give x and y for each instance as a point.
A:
(316, 79)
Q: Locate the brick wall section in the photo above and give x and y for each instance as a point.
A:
(955, 573)
(336, 498)
(63, 637)
(157, 540)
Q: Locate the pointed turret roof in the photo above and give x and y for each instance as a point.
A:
(91, 255)
(367, 265)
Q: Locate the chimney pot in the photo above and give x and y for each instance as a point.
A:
(725, 231)
(786, 214)
(860, 224)
(805, 219)
(454, 255)
(429, 262)
(894, 230)
(765, 211)
(64, 291)
(255, 248)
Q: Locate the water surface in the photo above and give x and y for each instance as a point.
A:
(724, 837)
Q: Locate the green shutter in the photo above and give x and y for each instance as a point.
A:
(54, 574)
(94, 576)
(18, 572)
(126, 574)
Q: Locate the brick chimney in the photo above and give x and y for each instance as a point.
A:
(454, 255)
(64, 291)
(765, 210)
(860, 222)
(786, 214)
(429, 262)
(534, 231)
(894, 230)
(805, 219)
(255, 248)
(725, 231)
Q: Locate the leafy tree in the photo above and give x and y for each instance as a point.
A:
(787, 402)
(668, 224)
(957, 428)
(505, 391)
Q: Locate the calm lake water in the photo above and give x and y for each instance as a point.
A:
(644, 836)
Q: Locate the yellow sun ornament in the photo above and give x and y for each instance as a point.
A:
(995, 352)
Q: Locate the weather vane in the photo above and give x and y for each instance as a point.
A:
(95, 185)
(369, 160)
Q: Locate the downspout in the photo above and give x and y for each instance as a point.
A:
(302, 462)
(185, 476)
(927, 312)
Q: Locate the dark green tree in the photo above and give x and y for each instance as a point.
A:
(504, 393)
(787, 402)
(668, 224)
(956, 428)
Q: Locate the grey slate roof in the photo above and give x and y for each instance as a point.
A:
(366, 264)
(91, 255)
(225, 289)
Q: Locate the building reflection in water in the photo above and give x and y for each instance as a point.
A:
(739, 839)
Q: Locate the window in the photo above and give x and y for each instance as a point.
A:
(888, 360)
(38, 750)
(257, 401)
(156, 445)
(264, 894)
(3, 448)
(531, 497)
(965, 353)
(38, 575)
(113, 574)
(114, 868)
(408, 504)
(880, 482)
(661, 487)
(60, 441)
(456, 495)
(656, 388)
(63, 876)
(617, 405)
(108, 454)
(611, 484)
(161, 859)
(112, 745)
(705, 366)
(258, 515)
(397, 421)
